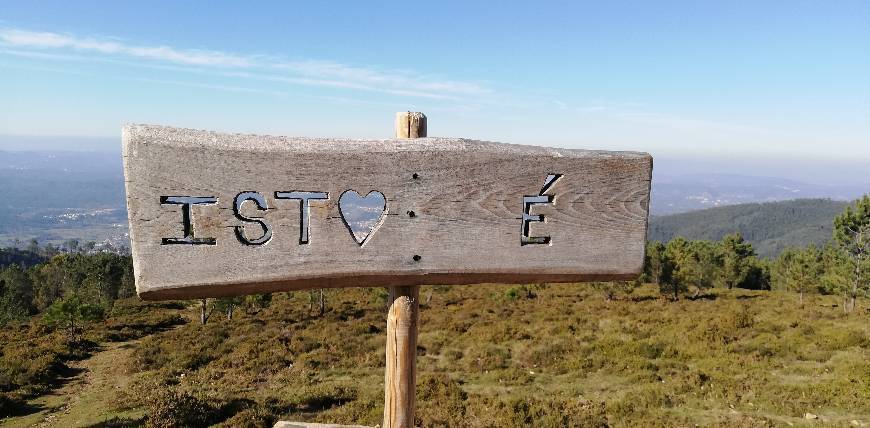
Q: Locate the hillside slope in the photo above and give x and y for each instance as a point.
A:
(487, 356)
(770, 227)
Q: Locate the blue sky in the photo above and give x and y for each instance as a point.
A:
(730, 79)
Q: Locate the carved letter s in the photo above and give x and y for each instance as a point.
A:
(260, 201)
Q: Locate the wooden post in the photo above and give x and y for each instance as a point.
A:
(400, 377)
(410, 124)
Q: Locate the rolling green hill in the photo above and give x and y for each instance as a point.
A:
(770, 227)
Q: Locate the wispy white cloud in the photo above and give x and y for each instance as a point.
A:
(228, 88)
(232, 73)
(375, 78)
(46, 40)
(318, 73)
(187, 83)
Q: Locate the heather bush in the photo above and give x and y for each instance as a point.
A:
(170, 408)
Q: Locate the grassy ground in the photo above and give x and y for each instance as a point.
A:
(80, 398)
(492, 356)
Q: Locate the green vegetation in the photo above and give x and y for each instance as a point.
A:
(852, 234)
(34, 356)
(22, 257)
(95, 279)
(795, 270)
(680, 265)
(564, 357)
(70, 313)
(710, 335)
(770, 227)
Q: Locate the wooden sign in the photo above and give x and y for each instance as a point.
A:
(217, 214)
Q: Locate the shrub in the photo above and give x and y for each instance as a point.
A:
(10, 405)
(442, 401)
(842, 338)
(255, 417)
(488, 357)
(175, 409)
(552, 412)
(31, 365)
(321, 396)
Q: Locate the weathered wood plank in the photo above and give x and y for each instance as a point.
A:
(466, 196)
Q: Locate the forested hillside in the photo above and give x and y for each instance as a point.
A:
(770, 227)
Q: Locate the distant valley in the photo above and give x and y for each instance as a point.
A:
(672, 194)
(57, 196)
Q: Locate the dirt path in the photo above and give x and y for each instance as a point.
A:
(85, 398)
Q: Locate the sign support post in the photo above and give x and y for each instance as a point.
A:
(400, 377)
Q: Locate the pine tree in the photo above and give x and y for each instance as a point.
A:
(16, 294)
(852, 234)
(796, 269)
(737, 257)
(69, 313)
(655, 263)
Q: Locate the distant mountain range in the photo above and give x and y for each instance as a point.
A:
(681, 193)
(56, 196)
(770, 227)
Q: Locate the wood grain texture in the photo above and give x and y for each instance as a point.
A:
(403, 320)
(411, 124)
(400, 374)
(467, 200)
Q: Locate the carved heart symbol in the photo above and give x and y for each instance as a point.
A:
(362, 214)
